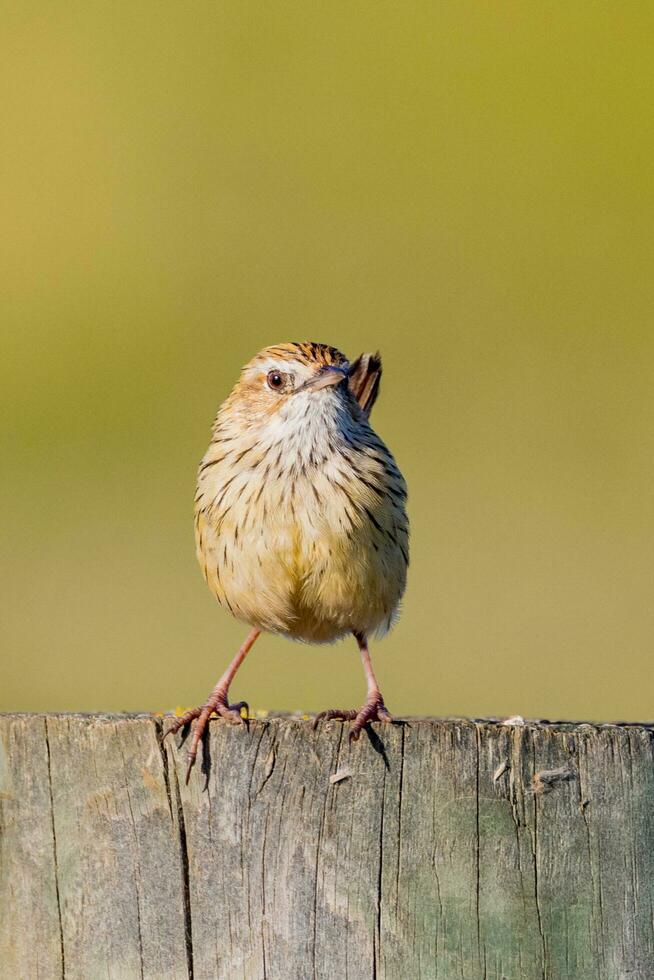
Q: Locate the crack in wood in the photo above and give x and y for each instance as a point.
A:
(54, 853)
(482, 958)
(137, 869)
(183, 846)
(376, 946)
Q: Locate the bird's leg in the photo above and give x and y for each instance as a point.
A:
(374, 708)
(217, 701)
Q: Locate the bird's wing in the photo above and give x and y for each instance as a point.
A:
(364, 377)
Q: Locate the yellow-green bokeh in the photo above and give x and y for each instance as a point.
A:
(466, 186)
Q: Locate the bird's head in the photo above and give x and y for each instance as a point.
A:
(292, 380)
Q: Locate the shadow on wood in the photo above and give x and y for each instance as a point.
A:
(448, 849)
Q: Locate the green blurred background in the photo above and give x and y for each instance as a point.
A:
(467, 187)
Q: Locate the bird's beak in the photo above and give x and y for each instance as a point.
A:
(326, 377)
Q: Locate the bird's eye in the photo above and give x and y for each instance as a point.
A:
(275, 380)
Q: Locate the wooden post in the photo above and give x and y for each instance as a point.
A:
(435, 848)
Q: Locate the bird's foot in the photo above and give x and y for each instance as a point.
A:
(373, 710)
(217, 703)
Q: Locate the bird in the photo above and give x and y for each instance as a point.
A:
(301, 526)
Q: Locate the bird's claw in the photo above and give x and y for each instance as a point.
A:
(373, 710)
(217, 704)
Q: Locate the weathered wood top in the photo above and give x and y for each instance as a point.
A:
(448, 849)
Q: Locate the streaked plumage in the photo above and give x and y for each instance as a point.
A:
(300, 517)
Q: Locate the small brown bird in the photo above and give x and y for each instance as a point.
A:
(300, 519)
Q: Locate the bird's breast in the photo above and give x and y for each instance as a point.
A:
(310, 551)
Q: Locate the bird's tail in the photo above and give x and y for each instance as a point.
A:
(364, 378)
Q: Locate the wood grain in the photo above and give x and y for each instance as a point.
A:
(444, 849)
